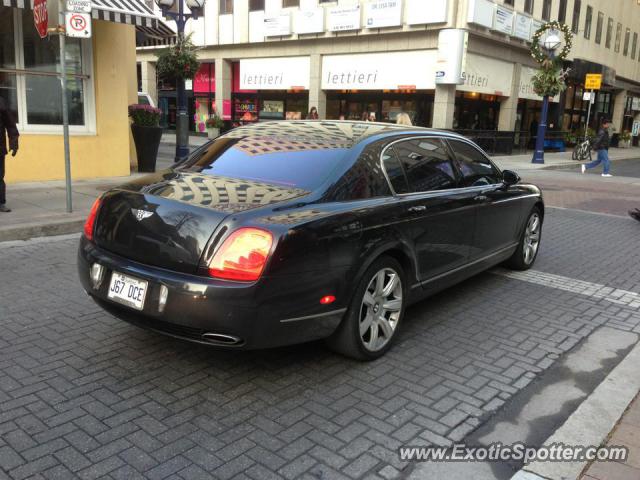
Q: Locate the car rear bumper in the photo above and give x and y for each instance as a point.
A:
(272, 312)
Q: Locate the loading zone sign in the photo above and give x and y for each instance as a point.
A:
(78, 24)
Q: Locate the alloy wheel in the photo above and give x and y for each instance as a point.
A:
(380, 309)
(531, 238)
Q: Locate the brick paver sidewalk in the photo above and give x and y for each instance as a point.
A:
(626, 433)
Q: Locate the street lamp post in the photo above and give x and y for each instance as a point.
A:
(182, 118)
(551, 43)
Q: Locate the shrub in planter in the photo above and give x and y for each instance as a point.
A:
(214, 124)
(147, 132)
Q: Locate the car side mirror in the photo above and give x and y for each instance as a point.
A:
(510, 177)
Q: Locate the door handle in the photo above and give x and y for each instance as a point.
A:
(417, 209)
(481, 198)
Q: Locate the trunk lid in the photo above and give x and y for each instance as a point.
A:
(167, 219)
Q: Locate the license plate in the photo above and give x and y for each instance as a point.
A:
(127, 290)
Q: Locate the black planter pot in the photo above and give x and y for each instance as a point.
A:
(147, 140)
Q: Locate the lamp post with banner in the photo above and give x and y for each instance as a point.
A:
(168, 8)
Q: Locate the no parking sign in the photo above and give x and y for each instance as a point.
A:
(78, 24)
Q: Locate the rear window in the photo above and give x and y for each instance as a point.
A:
(301, 163)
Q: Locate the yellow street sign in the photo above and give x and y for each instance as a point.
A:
(593, 81)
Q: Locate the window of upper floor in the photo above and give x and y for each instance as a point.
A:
(290, 3)
(627, 39)
(562, 11)
(575, 21)
(546, 10)
(618, 37)
(256, 5)
(634, 45)
(588, 19)
(609, 36)
(528, 6)
(225, 7)
(599, 27)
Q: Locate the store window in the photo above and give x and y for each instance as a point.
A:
(627, 39)
(546, 10)
(609, 36)
(599, 26)
(618, 37)
(588, 19)
(528, 6)
(634, 45)
(29, 82)
(225, 7)
(427, 164)
(256, 5)
(562, 11)
(575, 22)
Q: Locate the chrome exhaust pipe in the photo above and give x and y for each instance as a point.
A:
(221, 339)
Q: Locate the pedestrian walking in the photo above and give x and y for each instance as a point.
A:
(7, 129)
(601, 145)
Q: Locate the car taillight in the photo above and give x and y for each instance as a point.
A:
(91, 220)
(242, 256)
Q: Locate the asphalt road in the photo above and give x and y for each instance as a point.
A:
(83, 395)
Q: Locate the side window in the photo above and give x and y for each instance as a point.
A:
(476, 169)
(363, 180)
(394, 171)
(427, 164)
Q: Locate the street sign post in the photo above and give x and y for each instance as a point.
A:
(592, 82)
(41, 17)
(77, 25)
(79, 6)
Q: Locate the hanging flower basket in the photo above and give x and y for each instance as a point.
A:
(550, 80)
(179, 61)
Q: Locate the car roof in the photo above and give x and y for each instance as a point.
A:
(326, 133)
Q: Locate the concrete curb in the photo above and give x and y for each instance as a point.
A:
(26, 231)
(592, 421)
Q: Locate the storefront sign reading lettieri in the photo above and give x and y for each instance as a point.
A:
(380, 71)
(487, 75)
(283, 73)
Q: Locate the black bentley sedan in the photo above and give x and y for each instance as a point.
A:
(285, 232)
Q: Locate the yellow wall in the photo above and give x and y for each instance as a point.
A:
(108, 152)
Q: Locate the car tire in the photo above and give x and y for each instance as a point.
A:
(375, 313)
(525, 255)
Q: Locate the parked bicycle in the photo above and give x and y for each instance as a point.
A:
(582, 151)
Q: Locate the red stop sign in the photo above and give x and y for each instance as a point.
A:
(40, 17)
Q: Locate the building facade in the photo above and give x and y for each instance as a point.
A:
(101, 84)
(355, 59)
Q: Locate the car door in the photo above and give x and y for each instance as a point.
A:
(498, 206)
(439, 216)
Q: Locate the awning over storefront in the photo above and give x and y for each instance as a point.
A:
(162, 35)
(133, 12)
